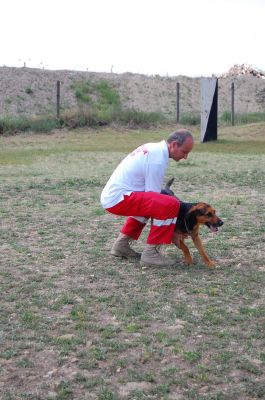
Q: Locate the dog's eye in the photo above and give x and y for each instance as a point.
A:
(209, 214)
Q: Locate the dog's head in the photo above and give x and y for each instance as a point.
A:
(198, 213)
(205, 215)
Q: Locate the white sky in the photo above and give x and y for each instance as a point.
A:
(165, 37)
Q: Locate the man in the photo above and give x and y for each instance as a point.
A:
(133, 190)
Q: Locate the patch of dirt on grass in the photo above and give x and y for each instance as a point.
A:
(133, 386)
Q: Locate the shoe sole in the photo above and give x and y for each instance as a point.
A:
(146, 264)
(120, 255)
(117, 254)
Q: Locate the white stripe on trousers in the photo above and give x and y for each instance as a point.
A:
(164, 222)
(143, 220)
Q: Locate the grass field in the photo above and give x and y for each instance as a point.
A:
(78, 324)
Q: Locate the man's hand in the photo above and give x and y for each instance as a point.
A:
(179, 237)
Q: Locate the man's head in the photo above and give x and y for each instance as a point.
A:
(179, 143)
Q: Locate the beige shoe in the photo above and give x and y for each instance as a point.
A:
(121, 248)
(151, 257)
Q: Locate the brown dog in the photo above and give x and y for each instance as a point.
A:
(191, 216)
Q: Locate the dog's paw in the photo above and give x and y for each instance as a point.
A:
(210, 263)
(188, 261)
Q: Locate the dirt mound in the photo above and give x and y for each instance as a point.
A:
(29, 92)
(243, 69)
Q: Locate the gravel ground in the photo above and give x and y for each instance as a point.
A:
(29, 91)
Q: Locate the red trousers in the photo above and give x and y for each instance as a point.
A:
(140, 206)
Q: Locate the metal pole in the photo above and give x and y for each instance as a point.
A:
(58, 100)
(177, 102)
(233, 104)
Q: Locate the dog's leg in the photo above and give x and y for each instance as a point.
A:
(198, 243)
(187, 256)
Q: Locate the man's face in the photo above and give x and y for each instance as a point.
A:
(179, 152)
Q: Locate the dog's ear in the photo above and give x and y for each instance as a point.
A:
(196, 211)
(191, 219)
(200, 210)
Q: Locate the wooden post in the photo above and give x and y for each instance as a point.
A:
(233, 104)
(177, 102)
(58, 100)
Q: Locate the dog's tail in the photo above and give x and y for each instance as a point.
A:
(167, 189)
(169, 183)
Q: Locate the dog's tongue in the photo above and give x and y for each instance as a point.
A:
(214, 229)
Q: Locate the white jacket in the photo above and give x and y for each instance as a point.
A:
(142, 170)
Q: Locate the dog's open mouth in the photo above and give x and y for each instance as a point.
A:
(214, 228)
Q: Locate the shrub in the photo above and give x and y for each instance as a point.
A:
(190, 119)
(240, 119)
(43, 125)
(13, 124)
(99, 104)
(82, 91)
(29, 90)
(249, 118)
(23, 124)
(135, 117)
(99, 95)
(109, 96)
(225, 117)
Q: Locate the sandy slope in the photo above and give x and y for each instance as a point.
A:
(28, 91)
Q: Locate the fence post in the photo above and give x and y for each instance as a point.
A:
(177, 102)
(233, 104)
(58, 100)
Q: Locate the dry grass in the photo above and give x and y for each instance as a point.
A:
(77, 324)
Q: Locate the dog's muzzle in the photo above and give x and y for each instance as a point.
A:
(214, 227)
